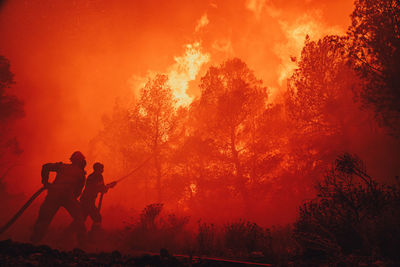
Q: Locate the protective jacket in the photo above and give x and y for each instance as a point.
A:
(70, 177)
(63, 192)
(94, 185)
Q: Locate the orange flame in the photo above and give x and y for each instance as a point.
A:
(184, 70)
(309, 24)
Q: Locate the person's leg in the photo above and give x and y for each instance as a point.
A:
(74, 209)
(94, 214)
(85, 209)
(71, 227)
(47, 211)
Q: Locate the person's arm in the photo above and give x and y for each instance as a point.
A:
(79, 186)
(111, 185)
(106, 187)
(46, 169)
(102, 187)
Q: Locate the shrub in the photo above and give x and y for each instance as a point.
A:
(149, 215)
(244, 237)
(154, 231)
(353, 219)
(207, 239)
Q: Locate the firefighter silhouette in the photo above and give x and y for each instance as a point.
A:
(94, 186)
(63, 192)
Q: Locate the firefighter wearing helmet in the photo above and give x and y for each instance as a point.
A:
(94, 186)
(63, 192)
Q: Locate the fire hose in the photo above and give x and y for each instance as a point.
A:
(21, 210)
(37, 193)
(114, 183)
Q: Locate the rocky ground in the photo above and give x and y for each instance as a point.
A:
(25, 254)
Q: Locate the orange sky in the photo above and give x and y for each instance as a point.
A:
(72, 59)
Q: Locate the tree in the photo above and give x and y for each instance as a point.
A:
(115, 142)
(320, 105)
(321, 85)
(148, 130)
(232, 100)
(375, 53)
(155, 121)
(11, 109)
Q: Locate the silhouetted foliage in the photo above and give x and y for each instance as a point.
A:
(11, 109)
(280, 247)
(375, 52)
(244, 236)
(320, 93)
(243, 239)
(320, 107)
(320, 89)
(149, 215)
(154, 120)
(354, 219)
(117, 127)
(230, 153)
(207, 243)
(229, 113)
(149, 128)
(154, 230)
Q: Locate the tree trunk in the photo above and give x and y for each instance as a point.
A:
(240, 182)
(158, 173)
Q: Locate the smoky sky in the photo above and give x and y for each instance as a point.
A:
(73, 59)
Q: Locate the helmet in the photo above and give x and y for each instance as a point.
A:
(98, 166)
(77, 157)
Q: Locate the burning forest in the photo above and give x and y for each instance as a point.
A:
(180, 133)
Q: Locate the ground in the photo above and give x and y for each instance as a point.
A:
(25, 254)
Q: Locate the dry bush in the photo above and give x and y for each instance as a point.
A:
(155, 230)
(353, 220)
